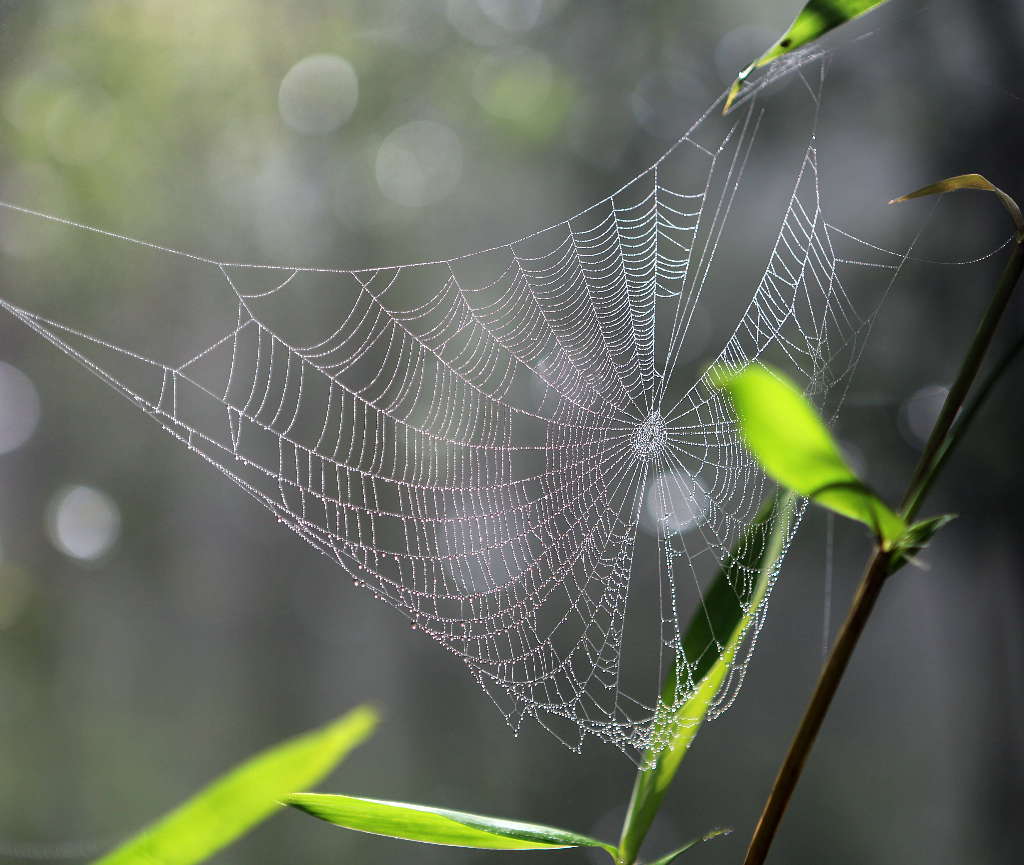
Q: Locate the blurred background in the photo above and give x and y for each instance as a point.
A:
(156, 626)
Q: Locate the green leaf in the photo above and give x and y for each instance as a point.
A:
(814, 21)
(915, 540)
(669, 858)
(728, 606)
(438, 825)
(783, 431)
(245, 796)
(968, 181)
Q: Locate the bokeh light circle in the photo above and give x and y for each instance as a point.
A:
(83, 522)
(419, 163)
(318, 94)
(19, 408)
(515, 15)
(675, 502)
(920, 411)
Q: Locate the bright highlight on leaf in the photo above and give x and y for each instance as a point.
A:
(719, 618)
(815, 20)
(783, 431)
(438, 825)
(245, 796)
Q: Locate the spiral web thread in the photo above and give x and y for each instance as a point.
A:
(475, 440)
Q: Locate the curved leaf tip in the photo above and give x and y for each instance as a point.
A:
(669, 858)
(814, 20)
(969, 181)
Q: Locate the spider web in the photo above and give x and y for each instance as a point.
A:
(506, 446)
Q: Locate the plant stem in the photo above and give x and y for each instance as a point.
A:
(967, 414)
(965, 378)
(943, 438)
(846, 640)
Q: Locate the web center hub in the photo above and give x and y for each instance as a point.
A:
(650, 437)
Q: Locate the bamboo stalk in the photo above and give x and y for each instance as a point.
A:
(943, 438)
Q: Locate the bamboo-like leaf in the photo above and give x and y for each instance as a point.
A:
(438, 825)
(968, 181)
(783, 431)
(918, 537)
(248, 794)
(814, 21)
(722, 620)
(669, 858)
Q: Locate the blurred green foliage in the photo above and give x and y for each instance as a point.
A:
(245, 796)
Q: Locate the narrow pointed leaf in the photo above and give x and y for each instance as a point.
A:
(783, 431)
(814, 21)
(669, 858)
(438, 825)
(728, 607)
(968, 181)
(918, 537)
(248, 794)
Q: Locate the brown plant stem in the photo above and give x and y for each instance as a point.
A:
(943, 438)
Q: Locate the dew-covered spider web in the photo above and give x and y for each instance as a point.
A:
(511, 447)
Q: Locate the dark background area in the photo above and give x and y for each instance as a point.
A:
(195, 631)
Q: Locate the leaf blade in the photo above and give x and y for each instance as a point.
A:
(244, 796)
(917, 538)
(429, 825)
(720, 614)
(783, 431)
(814, 20)
(669, 858)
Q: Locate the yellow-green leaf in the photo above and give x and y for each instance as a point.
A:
(815, 20)
(438, 825)
(782, 430)
(968, 181)
(245, 796)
